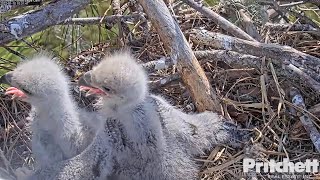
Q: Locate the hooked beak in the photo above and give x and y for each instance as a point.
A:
(84, 83)
(6, 78)
(15, 92)
(85, 80)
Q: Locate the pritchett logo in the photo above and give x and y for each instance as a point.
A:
(281, 167)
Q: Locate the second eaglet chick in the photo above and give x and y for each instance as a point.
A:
(138, 138)
(195, 132)
(58, 133)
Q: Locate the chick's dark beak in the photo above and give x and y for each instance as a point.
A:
(15, 92)
(85, 85)
(6, 78)
(85, 80)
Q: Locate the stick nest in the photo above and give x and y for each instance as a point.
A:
(255, 98)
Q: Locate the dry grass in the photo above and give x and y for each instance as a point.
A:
(15, 139)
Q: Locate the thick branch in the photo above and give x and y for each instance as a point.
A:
(98, 20)
(285, 54)
(291, 27)
(191, 72)
(309, 80)
(6, 6)
(33, 22)
(222, 22)
(234, 59)
(238, 60)
(316, 2)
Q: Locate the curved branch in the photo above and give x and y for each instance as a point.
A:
(33, 22)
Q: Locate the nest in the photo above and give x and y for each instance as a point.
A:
(255, 98)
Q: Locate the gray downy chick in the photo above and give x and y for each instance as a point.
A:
(195, 132)
(58, 130)
(122, 87)
(138, 139)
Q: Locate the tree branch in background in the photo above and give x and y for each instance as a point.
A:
(176, 44)
(315, 2)
(236, 60)
(291, 27)
(304, 76)
(304, 65)
(285, 54)
(231, 58)
(222, 22)
(33, 22)
(7, 6)
(98, 20)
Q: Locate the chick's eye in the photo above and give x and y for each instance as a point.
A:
(106, 89)
(24, 90)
